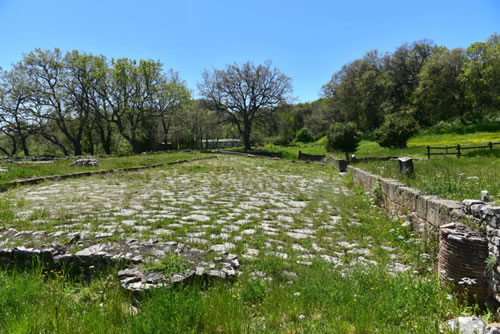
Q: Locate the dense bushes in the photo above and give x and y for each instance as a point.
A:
(342, 137)
(303, 136)
(396, 131)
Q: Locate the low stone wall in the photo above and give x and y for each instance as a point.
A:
(311, 157)
(426, 212)
(340, 164)
(259, 154)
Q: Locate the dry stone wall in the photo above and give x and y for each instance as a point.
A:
(427, 213)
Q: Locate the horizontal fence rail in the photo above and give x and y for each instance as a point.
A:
(456, 150)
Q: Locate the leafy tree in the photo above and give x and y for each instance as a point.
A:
(396, 130)
(245, 93)
(440, 94)
(356, 92)
(482, 77)
(342, 137)
(140, 96)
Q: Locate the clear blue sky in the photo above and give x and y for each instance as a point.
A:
(307, 40)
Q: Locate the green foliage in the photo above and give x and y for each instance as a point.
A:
(285, 128)
(342, 137)
(168, 265)
(303, 136)
(396, 131)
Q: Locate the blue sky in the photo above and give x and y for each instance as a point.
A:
(307, 40)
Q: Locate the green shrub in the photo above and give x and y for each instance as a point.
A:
(396, 130)
(303, 136)
(342, 137)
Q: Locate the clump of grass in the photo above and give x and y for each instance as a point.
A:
(168, 265)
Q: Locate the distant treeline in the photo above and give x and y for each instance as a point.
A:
(78, 103)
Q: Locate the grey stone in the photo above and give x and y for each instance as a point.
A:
(485, 196)
(467, 325)
(85, 163)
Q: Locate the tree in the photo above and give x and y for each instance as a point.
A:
(15, 95)
(138, 98)
(440, 94)
(482, 77)
(342, 137)
(245, 93)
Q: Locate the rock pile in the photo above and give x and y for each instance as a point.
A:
(137, 279)
(84, 162)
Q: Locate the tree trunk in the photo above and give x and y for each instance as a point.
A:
(246, 138)
(135, 145)
(77, 147)
(25, 147)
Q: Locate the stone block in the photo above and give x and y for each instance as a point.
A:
(438, 210)
(389, 187)
(407, 197)
(467, 203)
(421, 206)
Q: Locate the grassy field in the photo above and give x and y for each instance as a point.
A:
(24, 169)
(449, 178)
(346, 268)
(416, 145)
(445, 176)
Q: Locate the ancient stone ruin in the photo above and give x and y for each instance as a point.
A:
(81, 255)
(84, 163)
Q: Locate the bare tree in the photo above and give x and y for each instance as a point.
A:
(245, 93)
(15, 96)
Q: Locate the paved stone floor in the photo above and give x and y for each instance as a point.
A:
(251, 207)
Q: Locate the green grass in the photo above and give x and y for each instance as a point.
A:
(62, 166)
(417, 145)
(449, 178)
(321, 298)
(292, 151)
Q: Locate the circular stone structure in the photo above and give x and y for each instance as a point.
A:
(462, 256)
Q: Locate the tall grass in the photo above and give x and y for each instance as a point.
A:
(448, 177)
(320, 299)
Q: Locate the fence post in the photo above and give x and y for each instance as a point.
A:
(458, 150)
(428, 152)
(490, 144)
(300, 154)
(446, 151)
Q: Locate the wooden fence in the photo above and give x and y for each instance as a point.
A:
(456, 150)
